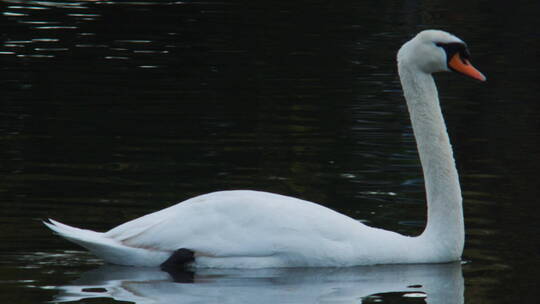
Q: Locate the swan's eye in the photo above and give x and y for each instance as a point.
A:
(455, 48)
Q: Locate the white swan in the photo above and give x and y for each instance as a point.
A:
(249, 229)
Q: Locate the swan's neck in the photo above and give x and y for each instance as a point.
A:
(445, 228)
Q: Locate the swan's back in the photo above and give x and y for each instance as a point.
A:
(242, 224)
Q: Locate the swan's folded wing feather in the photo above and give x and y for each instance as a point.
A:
(239, 223)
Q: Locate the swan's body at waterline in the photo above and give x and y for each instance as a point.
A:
(250, 229)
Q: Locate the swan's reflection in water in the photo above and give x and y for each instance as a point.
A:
(439, 283)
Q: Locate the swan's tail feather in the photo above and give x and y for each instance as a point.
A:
(91, 240)
(104, 247)
(74, 234)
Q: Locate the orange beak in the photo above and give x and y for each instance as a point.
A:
(465, 67)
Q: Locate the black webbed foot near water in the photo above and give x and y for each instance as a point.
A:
(176, 265)
(178, 260)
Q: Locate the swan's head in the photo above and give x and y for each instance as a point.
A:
(433, 51)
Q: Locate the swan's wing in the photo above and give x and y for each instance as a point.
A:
(240, 223)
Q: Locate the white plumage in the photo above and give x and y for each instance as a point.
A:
(250, 229)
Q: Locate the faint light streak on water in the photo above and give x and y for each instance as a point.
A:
(84, 15)
(11, 14)
(57, 27)
(149, 52)
(34, 22)
(35, 56)
(51, 49)
(45, 40)
(117, 58)
(89, 45)
(62, 5)
(135, 41)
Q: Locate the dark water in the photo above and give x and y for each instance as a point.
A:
(113, 109)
